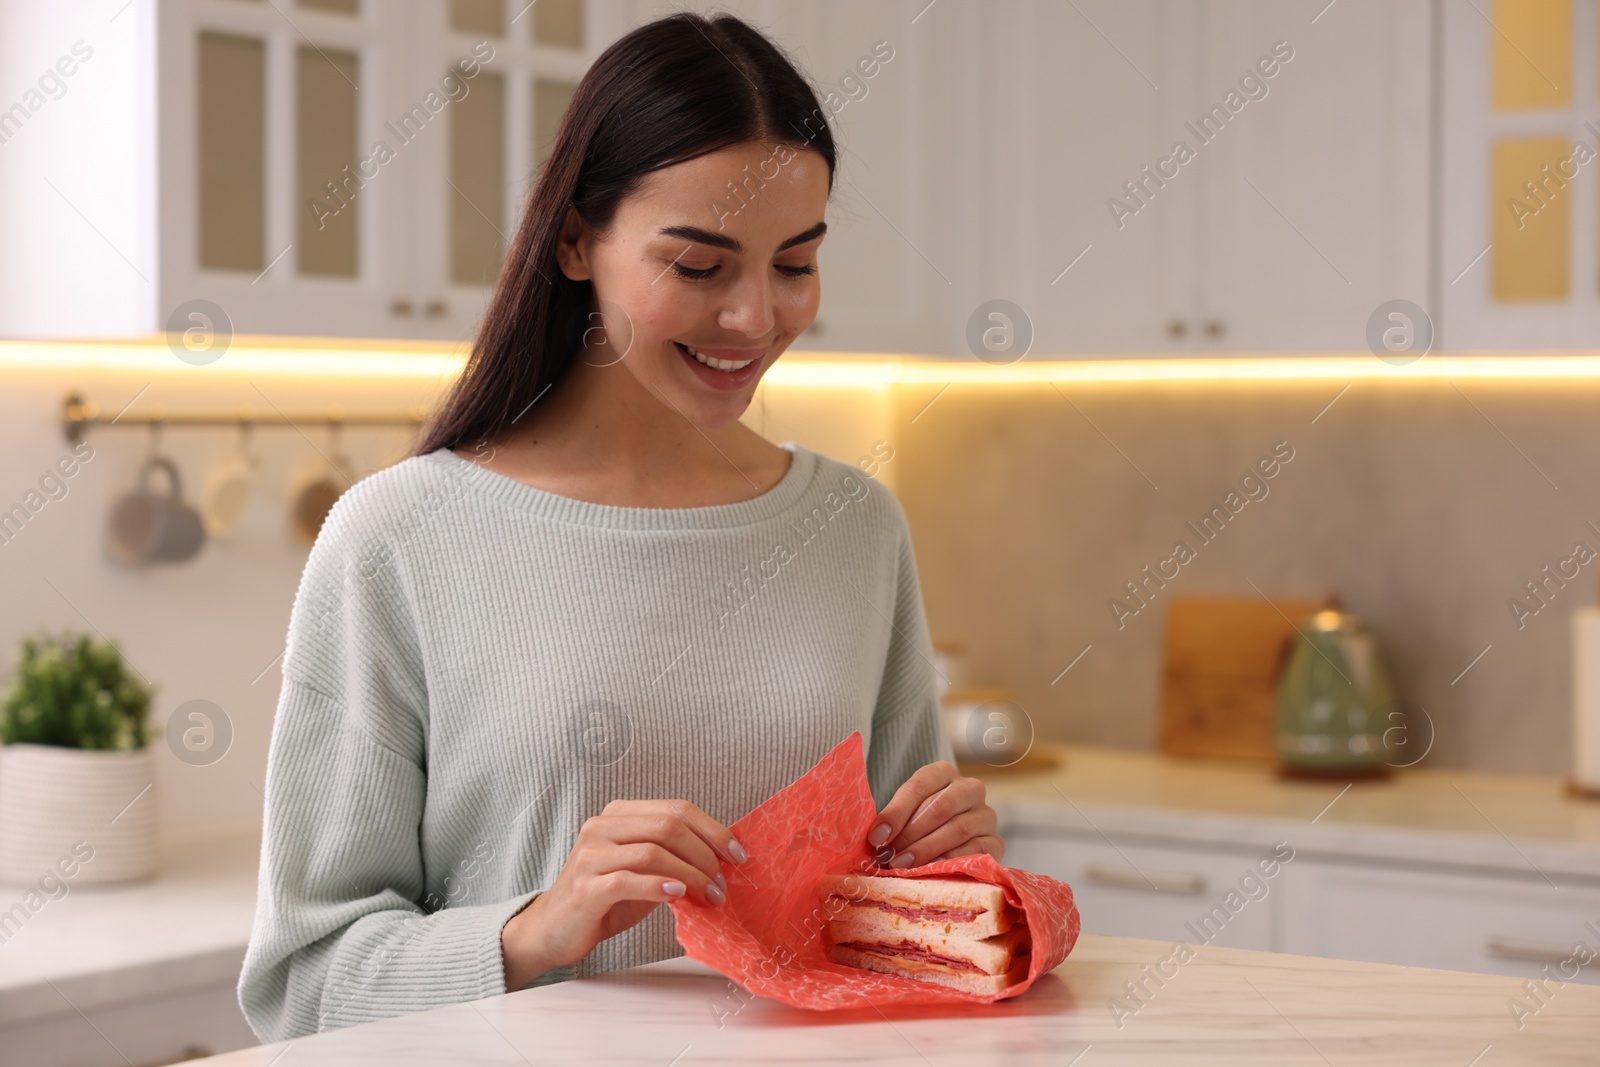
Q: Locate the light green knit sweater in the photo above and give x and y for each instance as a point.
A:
(475, 666)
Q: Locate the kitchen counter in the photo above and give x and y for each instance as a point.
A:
(1524, 824)
(1224, 1006)
(113, 952)
(104, 945)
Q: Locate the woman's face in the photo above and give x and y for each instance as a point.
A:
(706, 274)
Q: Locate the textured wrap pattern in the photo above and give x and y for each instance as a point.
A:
(768, 936)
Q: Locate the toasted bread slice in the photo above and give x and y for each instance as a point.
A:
(926, 971)
(933, 904)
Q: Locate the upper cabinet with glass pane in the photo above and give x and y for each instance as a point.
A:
(500, 128)
(1519, 231)
(311, 167)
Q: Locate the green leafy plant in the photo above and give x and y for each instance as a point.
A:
(74, 692)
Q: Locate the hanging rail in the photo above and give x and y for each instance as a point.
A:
(78, 416)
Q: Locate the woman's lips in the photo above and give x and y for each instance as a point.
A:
(722, 379)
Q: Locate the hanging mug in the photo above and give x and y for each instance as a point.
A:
(315, 494)
(147, 527)
(229, 487)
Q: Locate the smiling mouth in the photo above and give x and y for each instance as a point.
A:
(727, 366)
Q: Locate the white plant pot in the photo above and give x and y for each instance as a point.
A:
(53, 798)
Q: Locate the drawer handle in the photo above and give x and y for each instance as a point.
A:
(1507, 948)
(1189, 885)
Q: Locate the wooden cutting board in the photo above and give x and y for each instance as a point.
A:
(1221, 660)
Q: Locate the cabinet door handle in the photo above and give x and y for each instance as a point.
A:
(401, 307)
(1213, 328)
(1189, 885)
(1177, 328)
(1509, 948)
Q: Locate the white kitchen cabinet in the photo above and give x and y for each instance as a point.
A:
(983, 162)
(1314, 209)
(1519, 245)
(1296, 216)
(986, 168)
(899, 268)
(1524, 927)
(254, 100)
(1084, 96)
(1432, 868)
(202, 1021)
(474, 181)
(1142, 879)
(975, 166)
(1157, 891)
(228, 151)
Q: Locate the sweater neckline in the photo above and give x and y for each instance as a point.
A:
(545, 504)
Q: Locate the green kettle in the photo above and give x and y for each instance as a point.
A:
(1332, 696)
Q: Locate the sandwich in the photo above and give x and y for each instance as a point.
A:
(949, 931)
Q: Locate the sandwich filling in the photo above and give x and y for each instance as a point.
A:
(919, 914)
(910, 950)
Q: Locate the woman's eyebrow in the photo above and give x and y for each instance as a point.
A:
(722, 240)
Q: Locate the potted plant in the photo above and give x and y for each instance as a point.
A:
(76, 776)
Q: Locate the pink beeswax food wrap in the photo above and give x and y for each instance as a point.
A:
(768, 936)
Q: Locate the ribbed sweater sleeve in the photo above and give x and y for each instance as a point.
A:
(339, 934)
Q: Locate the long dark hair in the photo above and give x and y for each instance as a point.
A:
(669, 91)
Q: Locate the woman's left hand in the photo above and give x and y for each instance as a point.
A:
(935, 815)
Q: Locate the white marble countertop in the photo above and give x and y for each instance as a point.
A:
(1224, 1006)
(100, 945)
(1524, 824)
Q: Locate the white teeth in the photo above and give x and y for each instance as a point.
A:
(719, 364)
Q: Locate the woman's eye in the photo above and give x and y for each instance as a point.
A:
(684, 271)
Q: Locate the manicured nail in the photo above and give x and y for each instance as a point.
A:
(905, 859)
(737, 851)
(723, 882)
(715, 894)
(674, 889)
(879, 835)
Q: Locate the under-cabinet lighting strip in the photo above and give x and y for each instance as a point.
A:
(386, 360)
(874, 371)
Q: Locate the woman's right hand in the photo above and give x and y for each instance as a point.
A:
(631, 857)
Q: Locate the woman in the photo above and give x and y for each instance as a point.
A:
(535, 669)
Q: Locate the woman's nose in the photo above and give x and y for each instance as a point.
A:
(749, 310)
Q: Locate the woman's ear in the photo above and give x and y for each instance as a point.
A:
(572, 248)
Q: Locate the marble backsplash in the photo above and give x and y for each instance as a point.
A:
(1428, 506)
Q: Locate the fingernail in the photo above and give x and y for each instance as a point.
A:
(721, 881)
(674, 889)
(737, 851)
(715, 894)
(879, 835)
(905, 859)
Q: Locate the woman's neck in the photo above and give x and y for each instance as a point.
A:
(600, 436)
